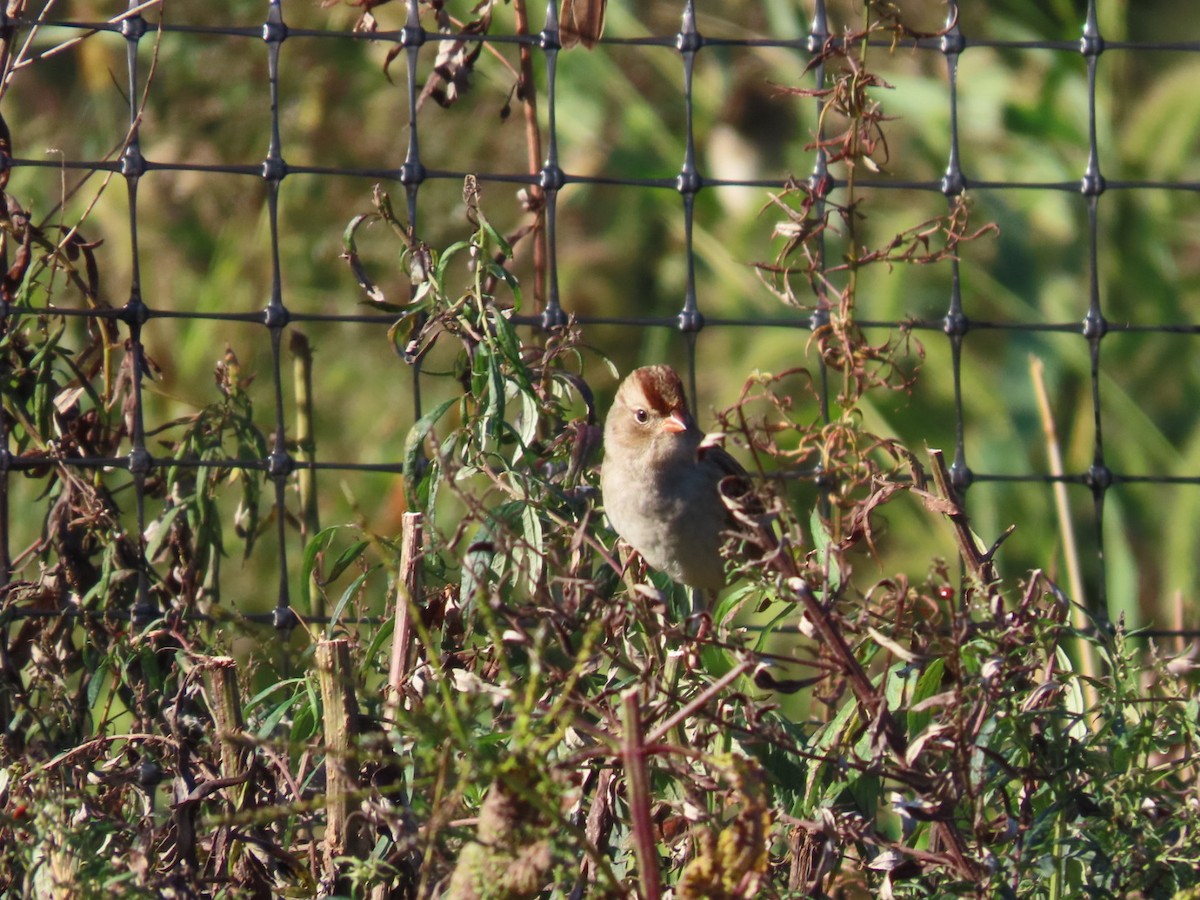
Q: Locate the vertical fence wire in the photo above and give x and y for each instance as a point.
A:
(819, 184)
(1099, 477)
(135, 314)
(280, 464)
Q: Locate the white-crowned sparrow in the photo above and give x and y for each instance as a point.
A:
(662, 489)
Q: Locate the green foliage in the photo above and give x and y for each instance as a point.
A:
(547, 718)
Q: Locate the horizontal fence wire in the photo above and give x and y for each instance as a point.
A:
(958, 325)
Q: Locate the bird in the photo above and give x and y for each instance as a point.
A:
(662, 484)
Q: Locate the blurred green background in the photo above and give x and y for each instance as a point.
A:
(204, 238)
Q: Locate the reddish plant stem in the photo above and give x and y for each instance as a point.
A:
(637, 782)
(533, 143)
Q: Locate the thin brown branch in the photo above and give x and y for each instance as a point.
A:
(637, 783)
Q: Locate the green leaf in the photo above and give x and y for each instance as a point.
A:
(304, 723)
(729, 603)
(308, 563)
(979, 759)
(866, 790)
(509, 343)
(379, 638)
(348, 243)
(350, 254)
(823, 544)
(476, 567)
(43, 358)
(827, 738)
(529, 419)
(444, 260)
(160, 530)
(898, 679)
(477, 562)
(97, 681)
(345, 558)
(272, 689)
(151, 673)
(531, 524)
(928, 684)
(398, 332)
(351, 590)
(494, 413)
(1073, 697)
(492, 239)
(414, 444)
(433, 483)
(500, 273)
(271, 721)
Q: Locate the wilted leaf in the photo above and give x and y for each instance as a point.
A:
(581, 22)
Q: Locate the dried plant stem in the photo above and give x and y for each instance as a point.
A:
(872, 703)
(224, 702)
(335, 673)
(533, 144)
(1037, 371)
(977, 560)
(1079, 619)
(24, 60)
(306, 476)
(408, 588)
(698, 702)
(597, 830)
(637, 783)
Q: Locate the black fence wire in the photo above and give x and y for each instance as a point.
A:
(959, 324)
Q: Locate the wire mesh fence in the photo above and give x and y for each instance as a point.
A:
(950, 311)
(962, 229)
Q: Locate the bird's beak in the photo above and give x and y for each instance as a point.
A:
(675, 423)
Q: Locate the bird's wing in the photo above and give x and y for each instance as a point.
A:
(709, 451)
(735, 485)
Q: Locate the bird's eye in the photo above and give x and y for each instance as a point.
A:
(641, 415)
